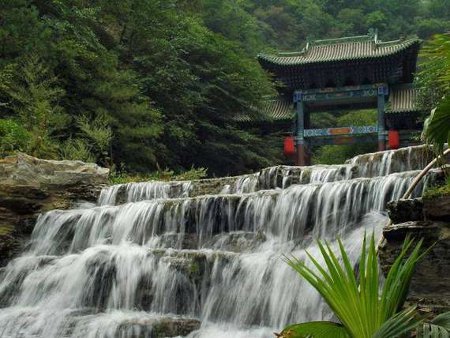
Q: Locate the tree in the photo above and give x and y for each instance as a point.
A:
(33, 96)
(167, 78)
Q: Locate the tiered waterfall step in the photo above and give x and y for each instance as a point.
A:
(288, 214)
(152, 255)
(367, 165)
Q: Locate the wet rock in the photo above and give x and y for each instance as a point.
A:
(175, 327)
(160, 328)
(29, 186)
(191, 271)
(193, 263)
(429, 287)
(427, 230)
(405, 210)
(211, 186)
(239, 241)
(8, 243)
(437, 208)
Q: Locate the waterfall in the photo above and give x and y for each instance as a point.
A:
(153, 252)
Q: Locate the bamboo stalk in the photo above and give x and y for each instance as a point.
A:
(413, 186)
(425, 170)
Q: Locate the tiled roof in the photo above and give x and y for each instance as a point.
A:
(402, 99)
(351, 48)
(280, 109)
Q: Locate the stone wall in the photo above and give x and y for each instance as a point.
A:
(29, 186)
(428, 219)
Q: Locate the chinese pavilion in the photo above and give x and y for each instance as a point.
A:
(344, 74)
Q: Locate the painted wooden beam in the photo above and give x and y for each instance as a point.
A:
(353, 130)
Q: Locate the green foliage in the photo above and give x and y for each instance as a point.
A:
(438, 190)
(439, 327)
(13, 137)
(160, 175)
(33, 96)
(437, 126)
(158, 83)
(363, 307)
(145, 83)
(76, 149)
(434, 79)
(314, 330)
(98, 134)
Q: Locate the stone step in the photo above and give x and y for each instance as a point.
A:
(277, 177)
(319, 208)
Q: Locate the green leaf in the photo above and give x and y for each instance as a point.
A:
(437, 128)
(429, 330)
(442, 320)
(439, 327)
(320, 329)
(358, 305)
(398, 325)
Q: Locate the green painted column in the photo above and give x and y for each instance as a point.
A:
(301, 159)
(381, 102)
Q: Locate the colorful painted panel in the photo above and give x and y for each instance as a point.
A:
(353, 130)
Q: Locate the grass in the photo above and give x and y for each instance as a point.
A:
(160, 175)
(438, 190)
(6, 230)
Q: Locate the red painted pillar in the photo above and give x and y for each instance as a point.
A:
(394, 139)
(289, 146)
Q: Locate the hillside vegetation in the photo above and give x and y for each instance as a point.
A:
(150, 84)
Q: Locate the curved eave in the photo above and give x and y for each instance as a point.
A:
(273, 61)
(403, 100)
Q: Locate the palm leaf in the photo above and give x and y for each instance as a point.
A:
(398, 325)
(437, 126)
(429, 330)
(439, 327)
(357, 304)
(442, 320)
(320, 329)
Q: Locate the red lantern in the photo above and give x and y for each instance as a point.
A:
(289, 146)
(394, 139)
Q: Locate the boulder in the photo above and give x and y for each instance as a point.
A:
(159, 328)
(29, 186)
(175, 327)
(437, 208)
(22, 169)
(429, 287)
(405, 210)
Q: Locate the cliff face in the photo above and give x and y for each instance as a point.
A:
(428, 219)
(29, 186)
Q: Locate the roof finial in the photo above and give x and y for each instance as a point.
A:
(373, 33)
(308, 42)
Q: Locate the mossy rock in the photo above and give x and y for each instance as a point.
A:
(174, 328)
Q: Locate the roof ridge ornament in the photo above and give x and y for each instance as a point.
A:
(373, 33)
(308, 43)
(366, 47)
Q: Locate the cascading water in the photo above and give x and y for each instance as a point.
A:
(152, 251)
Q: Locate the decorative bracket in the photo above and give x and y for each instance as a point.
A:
(298, 96)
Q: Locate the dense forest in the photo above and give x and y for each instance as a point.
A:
(139, 85)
